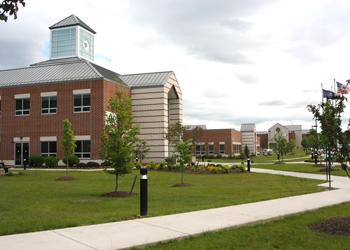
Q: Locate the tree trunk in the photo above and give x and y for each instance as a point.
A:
(116, 182)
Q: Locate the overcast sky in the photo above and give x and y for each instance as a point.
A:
(237, 61)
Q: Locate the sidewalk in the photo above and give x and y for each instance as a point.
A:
(138, 232)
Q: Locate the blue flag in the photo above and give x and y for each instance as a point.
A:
(328, 94)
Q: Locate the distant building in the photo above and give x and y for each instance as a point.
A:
(249, 138)
(210, 142)
(289, 132)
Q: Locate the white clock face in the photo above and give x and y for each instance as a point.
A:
(86, 45)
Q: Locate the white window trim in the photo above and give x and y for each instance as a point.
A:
(81, 91)
(48, 138)
(22, 96)
(18, 139)
(82, 137)
(47, 94)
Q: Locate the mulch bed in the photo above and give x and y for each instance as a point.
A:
(334, 226)
(118, 194)
(182, 185)
(66, 178)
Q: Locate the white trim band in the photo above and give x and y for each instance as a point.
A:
(21, 139)
(45, 94)
(21, 96)
(48, 138)
(82, 137)
(81, 91)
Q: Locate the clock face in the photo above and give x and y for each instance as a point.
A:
(86, 45)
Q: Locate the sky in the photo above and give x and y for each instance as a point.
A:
(237, 61)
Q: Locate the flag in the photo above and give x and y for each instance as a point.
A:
(328, 94)
(342, 89)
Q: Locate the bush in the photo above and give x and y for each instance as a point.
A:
(51, 162)
(36, 161)
(81, 165)
(92, 164)
(73, 160)
(137, 165)
(106, 164)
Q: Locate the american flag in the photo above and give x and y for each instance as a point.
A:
(342, 89)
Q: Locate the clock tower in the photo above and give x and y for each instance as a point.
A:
(71, 37)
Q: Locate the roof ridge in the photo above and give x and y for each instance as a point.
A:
(155, 72)
(93, 68)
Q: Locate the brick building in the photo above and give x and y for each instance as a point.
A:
(224, 142)
(35, 100)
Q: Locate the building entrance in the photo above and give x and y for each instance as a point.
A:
(21, 153)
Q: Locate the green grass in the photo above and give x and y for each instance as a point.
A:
(35, 201)
(304, 168)
(298, 155)
(289, 233)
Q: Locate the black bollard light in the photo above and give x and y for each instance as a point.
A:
(143, 191)
(248, 164)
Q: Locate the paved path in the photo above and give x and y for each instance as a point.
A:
(138, 232)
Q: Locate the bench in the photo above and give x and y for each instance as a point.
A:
(6, 169)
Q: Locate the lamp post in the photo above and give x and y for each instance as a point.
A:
(316, 153)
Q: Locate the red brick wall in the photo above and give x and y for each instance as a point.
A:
(216, 136)
(36, 125)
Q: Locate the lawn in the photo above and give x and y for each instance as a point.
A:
(289, 233)
(304, 168)
(298, 155)
(35, 201)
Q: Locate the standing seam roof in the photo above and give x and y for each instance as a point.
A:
(147, 79)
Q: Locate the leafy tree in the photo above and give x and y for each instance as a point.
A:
(196, 136)
(9, 8)
(119, 136)
(184, 148)
(280, 145)
(68, 142)
(141, 150)
(291, 146)
(310, 141)
(246, 152)
(332, 137)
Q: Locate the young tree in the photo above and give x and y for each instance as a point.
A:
(246, 152)
(68, 142)
(119, 136)
(9, 8)
(280, 145)
(184, 148)
(333, 139)
(141, 150)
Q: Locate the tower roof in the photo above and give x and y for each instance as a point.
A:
(72, 20)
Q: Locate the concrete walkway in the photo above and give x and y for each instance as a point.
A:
(138, 232)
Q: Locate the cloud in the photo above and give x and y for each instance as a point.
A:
(209, 30)
(247, 78)
(273, 103)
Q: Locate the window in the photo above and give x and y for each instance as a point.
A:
(83, 149)
(49, 104)
(82, 102)
(22, 106)
(200, 149)
(222, 148)
(210, 149)
(63, 42)
(236, 148)
(48, 148)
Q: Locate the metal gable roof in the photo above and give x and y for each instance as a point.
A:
(147, 79)
(72, 20)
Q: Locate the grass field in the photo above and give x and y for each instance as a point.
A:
(304, 168)
(35, 201)
(289, 233)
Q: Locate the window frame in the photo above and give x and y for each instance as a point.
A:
(81, 107)
(81, 154)
(21, 112)
(49, 153)
(49, 109)
(220, 150)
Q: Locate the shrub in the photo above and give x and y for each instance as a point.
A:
(36, 161)
(106, 164)
(92, 164)
(51, 162)
(73, 160)
(137, 165)
(81, 165)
